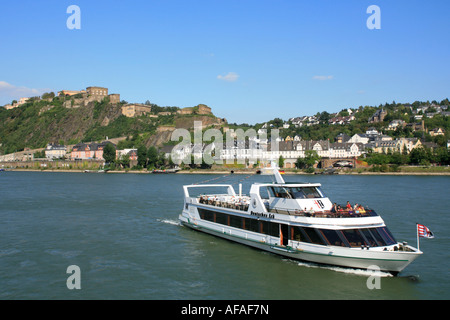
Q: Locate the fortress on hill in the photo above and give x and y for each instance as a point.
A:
(138, 109)
(83, 97)
(130, 110)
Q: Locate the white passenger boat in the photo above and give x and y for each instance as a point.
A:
(296, 220)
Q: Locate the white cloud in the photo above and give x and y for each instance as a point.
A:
(322, 78)
(230, 77)
(11, 91)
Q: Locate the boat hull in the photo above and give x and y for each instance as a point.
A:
(387, 261)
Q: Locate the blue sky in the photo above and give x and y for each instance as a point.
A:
(249, 60)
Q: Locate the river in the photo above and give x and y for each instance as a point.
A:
(122, 232)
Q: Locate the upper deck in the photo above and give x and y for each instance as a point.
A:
(290, 200)
(287, 199)
(243, 203)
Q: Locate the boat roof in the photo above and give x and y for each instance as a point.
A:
(290, 184)
(260, 184)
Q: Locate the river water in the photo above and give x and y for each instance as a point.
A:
(122, 231)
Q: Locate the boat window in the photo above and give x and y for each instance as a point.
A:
(319, 190)
(264, 193)
(311, 192)
(312, 235)
(206, 214)
(368, 235)
(333, 237)
(294, 192)
(297, 193)
(274, 229)
(379, 240)
(281, 192)
(298, 235)
(387, 236)
(354, 238)
(251, 224)
(235, 221)
(221, 218)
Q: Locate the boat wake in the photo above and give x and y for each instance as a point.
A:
(358, 272)
(172, 222)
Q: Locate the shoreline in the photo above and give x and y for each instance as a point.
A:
(223, 172)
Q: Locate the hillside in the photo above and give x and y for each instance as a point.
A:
(69, 120)
(41, 121)
(410, 116)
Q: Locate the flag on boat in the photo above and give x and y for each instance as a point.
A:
(424, 232)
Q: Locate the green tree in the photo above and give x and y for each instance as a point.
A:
(124, 161)
(153, 157)
(398, 158)
(161, 162)
(310, 159)
(419, 155)
(48, 95)
(324, 117)
(442, 156)
(281, 162)
(109, 153)
(39, 154)
(142, 156)
(277, 122)
(300, 163)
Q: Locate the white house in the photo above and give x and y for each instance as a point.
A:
(54, 151)
(395, 124)
(359, 138)
(346, 150)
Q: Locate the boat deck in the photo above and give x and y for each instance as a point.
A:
(326, 214)
(242, 204)
(229, 202)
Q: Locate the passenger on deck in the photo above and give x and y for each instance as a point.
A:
(334, 208)
(349, 206)
(361, 209)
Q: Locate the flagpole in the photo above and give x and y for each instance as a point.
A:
(417, 232)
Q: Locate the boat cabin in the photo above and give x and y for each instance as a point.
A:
(285, 198)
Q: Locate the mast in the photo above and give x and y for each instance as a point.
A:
(276, 173)
(273, 170)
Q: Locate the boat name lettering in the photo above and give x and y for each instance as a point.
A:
(264, 215)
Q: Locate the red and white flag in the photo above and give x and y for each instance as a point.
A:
(424, 232)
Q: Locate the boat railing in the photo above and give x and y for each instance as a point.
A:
(239, 204)
(325, 214)
(242, 204)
